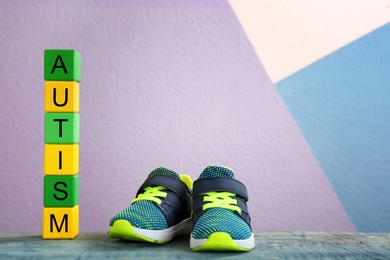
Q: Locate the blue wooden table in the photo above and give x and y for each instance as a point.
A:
(269, 245)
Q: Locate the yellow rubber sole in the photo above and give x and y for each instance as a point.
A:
(123, 229)
(220, 241)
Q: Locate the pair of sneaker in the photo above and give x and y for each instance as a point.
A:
(212, 210)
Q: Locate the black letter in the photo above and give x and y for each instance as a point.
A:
(63, 191)
(60, 160)
(59, 58)
(60, 120)
(55, 99)
(64, 219)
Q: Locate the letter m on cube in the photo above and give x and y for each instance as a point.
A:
(60, 222)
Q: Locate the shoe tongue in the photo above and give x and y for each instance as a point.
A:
(217, 172)
(164, 172)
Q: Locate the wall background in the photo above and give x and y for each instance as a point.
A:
(186, 84)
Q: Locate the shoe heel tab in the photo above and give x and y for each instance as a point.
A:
(187, 180)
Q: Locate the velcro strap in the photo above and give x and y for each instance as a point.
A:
(173, 184)
(220, 184)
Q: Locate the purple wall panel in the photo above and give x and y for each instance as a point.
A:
(164, 83)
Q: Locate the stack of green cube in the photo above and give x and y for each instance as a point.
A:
(61, 152)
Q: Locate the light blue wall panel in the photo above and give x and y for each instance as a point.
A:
(342, 105)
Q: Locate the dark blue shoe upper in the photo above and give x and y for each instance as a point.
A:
(147, 214)
(177, 205)
(220, 184)
(220, 205)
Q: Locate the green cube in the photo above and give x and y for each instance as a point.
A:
(62, 128)
(61, 191)
(62, 65)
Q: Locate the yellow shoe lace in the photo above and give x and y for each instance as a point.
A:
(220, 200)
(152, 194)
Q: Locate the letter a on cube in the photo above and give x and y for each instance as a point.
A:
(62, 65)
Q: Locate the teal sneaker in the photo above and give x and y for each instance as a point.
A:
(160, 211)
(220, 214)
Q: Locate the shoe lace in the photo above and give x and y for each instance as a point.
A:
(152, 194)
(220, 200)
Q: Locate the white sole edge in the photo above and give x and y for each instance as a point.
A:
(181, 229)
(245, 243)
